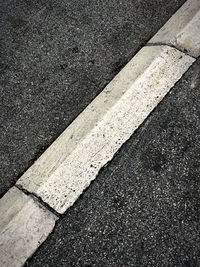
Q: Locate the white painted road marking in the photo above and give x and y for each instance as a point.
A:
(183, 29)
(68, 166)
(94, 137)
(24, 225)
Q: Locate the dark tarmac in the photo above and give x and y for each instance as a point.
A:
(56, 56)
(143, 209)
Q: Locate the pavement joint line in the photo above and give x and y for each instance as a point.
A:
(182, 29)
(39, 200)
(145, 75)
(25, 224)
(170, 45)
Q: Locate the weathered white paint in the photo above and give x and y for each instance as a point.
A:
(183, 29)
(61, 174)
(24, 225)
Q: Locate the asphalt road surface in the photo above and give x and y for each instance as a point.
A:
(143, 209)
(56, 56)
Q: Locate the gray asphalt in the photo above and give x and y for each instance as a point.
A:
(56, 56)
(143, 209)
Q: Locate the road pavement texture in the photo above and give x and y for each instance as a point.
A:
(56, 56)
(143, 207)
